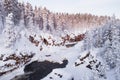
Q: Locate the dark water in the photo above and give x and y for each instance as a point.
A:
(38, 70)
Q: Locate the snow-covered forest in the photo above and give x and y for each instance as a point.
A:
(37, 44)
(43, 19)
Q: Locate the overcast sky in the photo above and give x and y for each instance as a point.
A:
(97, 7)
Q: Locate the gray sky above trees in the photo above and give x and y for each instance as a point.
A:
(97, 7)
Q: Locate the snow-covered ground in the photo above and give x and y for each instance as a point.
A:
(58, 54)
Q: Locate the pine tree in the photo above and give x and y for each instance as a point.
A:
(9, 32)
(52, 22)
(1, 16)
(45, 15)
(11, 6)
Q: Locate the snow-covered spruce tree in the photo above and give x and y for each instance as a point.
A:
(28, 13)
(1, 16)
(45, 15)
(12, 6)
(94, 38)
(97, 38)
(30, 25)
(88, 40)
(9, 31)
(51, 22)
(1, 23)
(37, 19)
